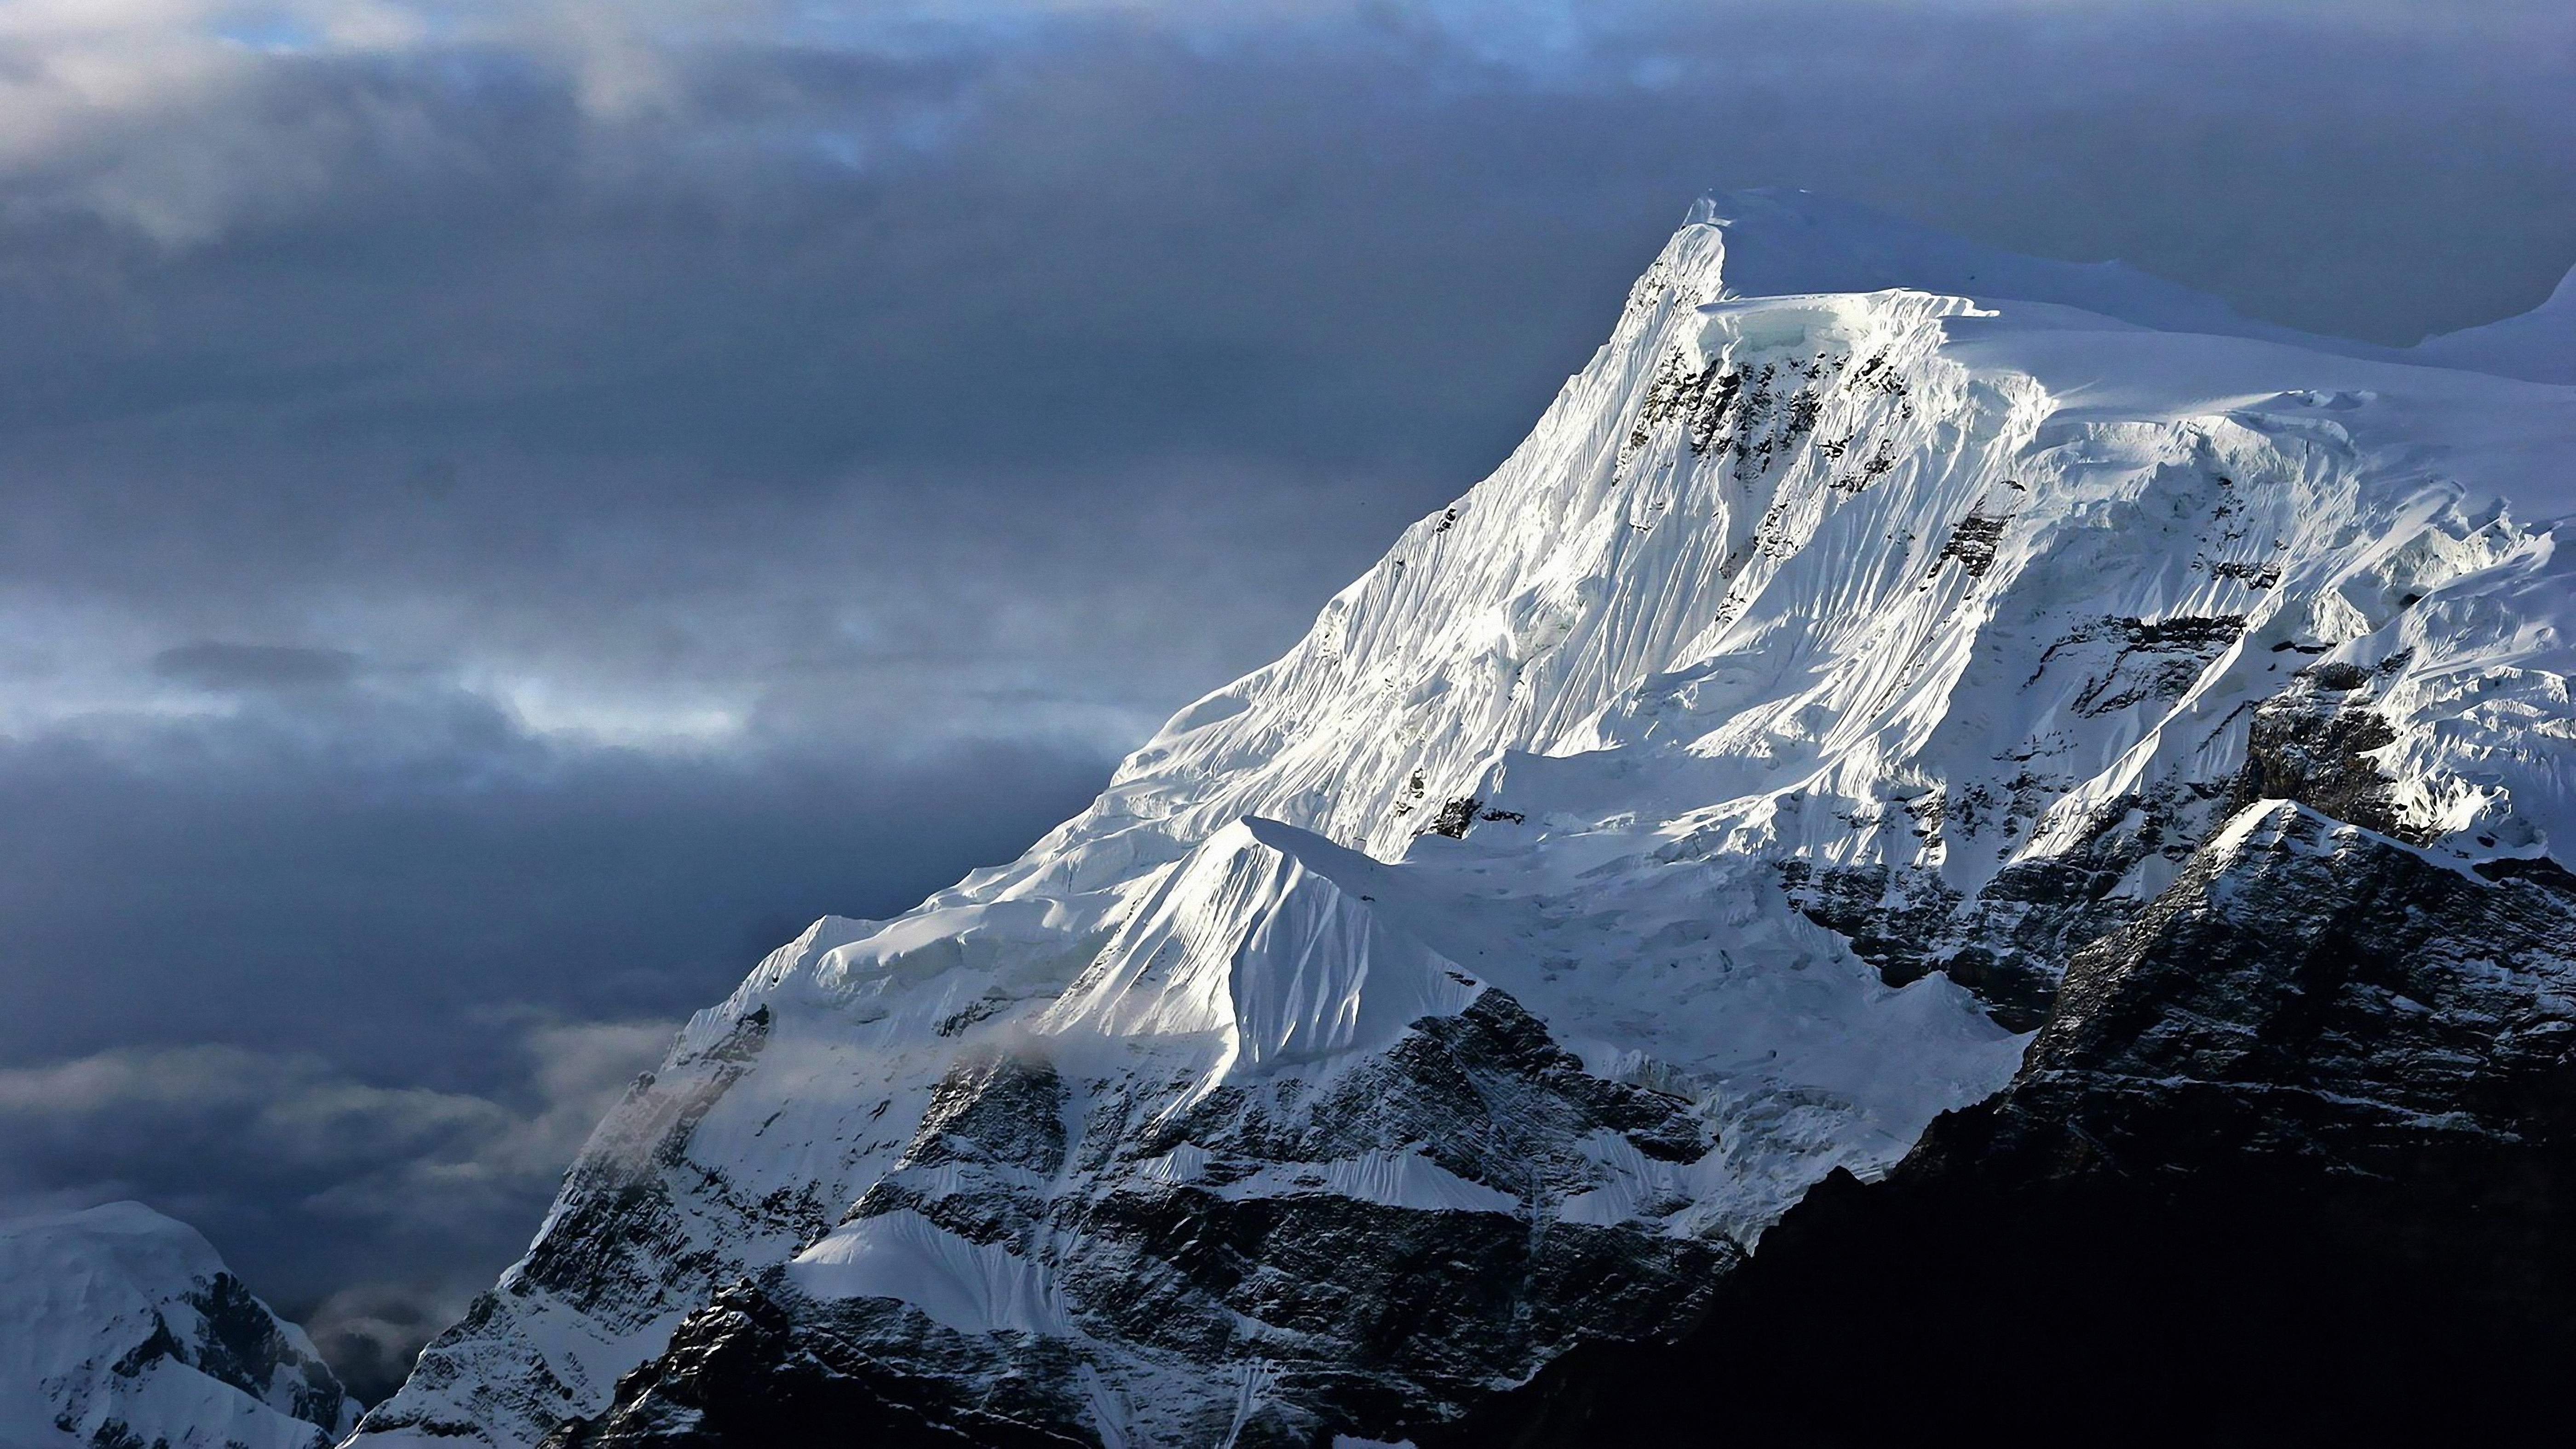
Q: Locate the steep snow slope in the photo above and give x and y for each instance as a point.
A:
(120, 1327)
(1701, 804)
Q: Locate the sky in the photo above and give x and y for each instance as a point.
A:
(508, 510)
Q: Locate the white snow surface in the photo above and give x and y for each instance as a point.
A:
(81, 1291)
(971, 1287)
(1659, 671)
(1255, 944)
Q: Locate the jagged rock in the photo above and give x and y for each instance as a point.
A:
(2316, 751)
(2009, 942)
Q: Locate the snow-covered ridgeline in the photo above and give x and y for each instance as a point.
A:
(1900, 599)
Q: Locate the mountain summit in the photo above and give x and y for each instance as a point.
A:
(121, 1329)
(1898, 686)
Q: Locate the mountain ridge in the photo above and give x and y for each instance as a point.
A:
(1693, 813)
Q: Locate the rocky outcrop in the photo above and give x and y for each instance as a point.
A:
(2009, 941)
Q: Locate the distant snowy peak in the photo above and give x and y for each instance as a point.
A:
(2539, 345)
(122, 1329)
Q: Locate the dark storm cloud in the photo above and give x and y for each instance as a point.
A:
(501, 523)
(367, 877)
(370, 1213)
(213, 664)
(498, 348)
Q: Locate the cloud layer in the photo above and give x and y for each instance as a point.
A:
(377, 1187)
(345, 977)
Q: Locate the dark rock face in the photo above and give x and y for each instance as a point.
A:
(626, 1225)
(2145, 660)
(763, 1364)
(995, 1109)
(2292, 1160)
(2312, 746)
(1972, 543)
(243, 1346)
(1372, 1317)
(1486, 1093)
(238, 1343)
(2009, 942)
(2317, 992)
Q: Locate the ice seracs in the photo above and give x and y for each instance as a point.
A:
(1702, 804)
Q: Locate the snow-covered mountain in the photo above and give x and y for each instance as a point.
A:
(1690, 813)
(121, 1329)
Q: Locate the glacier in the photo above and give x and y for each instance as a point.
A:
(1692, 812)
